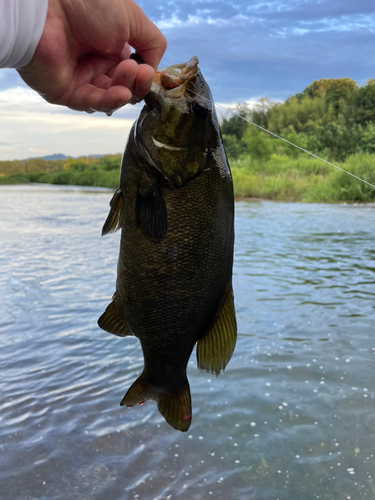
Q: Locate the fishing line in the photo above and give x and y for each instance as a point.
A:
(285, 140)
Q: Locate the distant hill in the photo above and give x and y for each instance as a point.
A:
(53, 157)
(60, 156)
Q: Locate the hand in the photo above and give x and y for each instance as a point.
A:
(82, 59)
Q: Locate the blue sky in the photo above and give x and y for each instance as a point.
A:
(247, 50)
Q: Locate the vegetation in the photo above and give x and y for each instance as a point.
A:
(104, 172)
(333, 119)
(305, 179)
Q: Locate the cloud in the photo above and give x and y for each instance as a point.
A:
(28, 124)
(247, 49)
(39, 152)
(252, 49)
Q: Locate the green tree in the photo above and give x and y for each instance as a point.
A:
(236, 126)
(318, 88)
(259, 144)
(261, 110)
(110, 163)
(368, 138)
(362, 110)
(339, 94)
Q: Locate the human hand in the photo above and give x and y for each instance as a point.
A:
(82, 59)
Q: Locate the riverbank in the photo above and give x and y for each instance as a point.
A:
(280, 178)
(305, 179)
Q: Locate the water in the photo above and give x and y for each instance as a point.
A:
(293, 416)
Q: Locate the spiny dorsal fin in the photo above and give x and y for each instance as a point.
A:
(215, 349)
(174, 406)
(112, 321)
(114, 219)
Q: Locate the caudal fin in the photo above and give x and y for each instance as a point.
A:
(174, 406)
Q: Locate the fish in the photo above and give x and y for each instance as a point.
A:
(175, 208)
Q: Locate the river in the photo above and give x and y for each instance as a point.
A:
(291, 418)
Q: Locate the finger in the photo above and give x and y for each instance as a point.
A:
(143, 80)
(111, 72)
(126, 51)
(90, 67)
(89, 98)
(125, 74)
(145, 37)
(102, 81)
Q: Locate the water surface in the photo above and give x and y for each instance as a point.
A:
(293, 416)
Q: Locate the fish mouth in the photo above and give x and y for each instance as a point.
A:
(174, 79)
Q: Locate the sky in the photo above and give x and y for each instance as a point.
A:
(247, 49)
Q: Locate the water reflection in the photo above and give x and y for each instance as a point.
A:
(292, 418)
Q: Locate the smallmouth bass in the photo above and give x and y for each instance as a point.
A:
(175, 208)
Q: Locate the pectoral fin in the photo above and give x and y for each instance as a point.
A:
(112, 320)
(150, 210)
(215, 349)
(114, 219)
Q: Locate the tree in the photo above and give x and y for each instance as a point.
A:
(236, 126)
(339, 94)
(318, 88)
(362, 108)
(259, 144)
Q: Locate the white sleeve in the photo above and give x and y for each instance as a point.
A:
(21, 27)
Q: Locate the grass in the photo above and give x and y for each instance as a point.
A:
(305, 179)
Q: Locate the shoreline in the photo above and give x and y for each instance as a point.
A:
(247, 199)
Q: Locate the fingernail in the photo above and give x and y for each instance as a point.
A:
(120, 104)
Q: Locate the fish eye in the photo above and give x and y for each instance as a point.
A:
(200, 111)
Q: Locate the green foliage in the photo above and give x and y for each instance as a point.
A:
(318, 88)
(368, 138)
(234, 126)
(305, 179)
(259, 145)
(110, 163)
(32, 166)
(346, 188)
(103, 172)
(233, 147)
(339, 94)
(362, 110)
(330, 118)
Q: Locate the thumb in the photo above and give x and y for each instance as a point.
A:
(145, 37)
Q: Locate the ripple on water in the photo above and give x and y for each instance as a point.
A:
(292, 417)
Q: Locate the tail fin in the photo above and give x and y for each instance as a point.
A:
(174, 406)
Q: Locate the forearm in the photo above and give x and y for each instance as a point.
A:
(21, 27)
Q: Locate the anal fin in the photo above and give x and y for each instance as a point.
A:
(215, 349)
(114, 219)
(112, 320)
